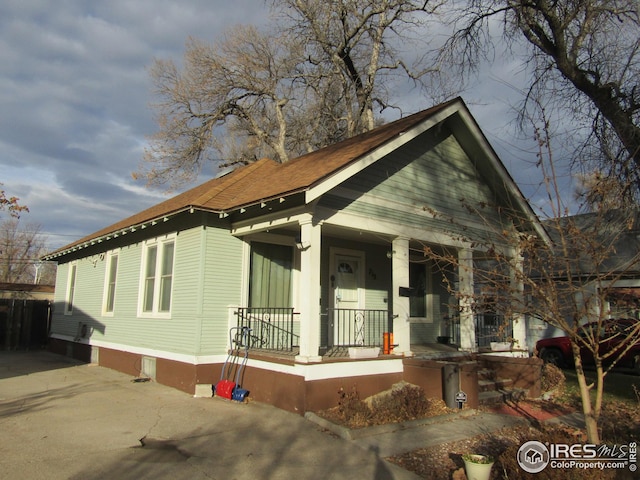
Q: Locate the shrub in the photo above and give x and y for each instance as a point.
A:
(405, 403)
(552, 379)
(353, 411)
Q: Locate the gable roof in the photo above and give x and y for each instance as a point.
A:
(266, 179)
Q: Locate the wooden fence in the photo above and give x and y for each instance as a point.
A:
(24, 324)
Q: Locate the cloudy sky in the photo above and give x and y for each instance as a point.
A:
(75, 95)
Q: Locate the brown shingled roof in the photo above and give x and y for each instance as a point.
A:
(267, 179)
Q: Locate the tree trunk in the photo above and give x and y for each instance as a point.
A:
(590, 415)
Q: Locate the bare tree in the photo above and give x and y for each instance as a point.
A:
(566, 283)
(584, 56)
(358, 42)
(20, 252)
(313, 79)
(244, 82)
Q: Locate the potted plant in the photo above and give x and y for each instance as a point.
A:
(477, 467)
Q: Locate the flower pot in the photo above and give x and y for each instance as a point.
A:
(500, 346)
(477, 467)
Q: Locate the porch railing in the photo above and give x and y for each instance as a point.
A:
(492, 328)
(271, 328)
(356, 327)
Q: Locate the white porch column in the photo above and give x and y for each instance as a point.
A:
(400, 276)
(310, 236)
(465, 288)
(517, 287)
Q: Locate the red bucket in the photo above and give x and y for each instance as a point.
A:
(224, 388)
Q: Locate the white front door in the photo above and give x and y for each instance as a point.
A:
(347, 282)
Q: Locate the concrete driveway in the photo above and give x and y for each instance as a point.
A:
(60, 419)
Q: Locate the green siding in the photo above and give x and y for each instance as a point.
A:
(377, 277)
(422, 333)
(222, 285)
(430, 172)
(206, 279)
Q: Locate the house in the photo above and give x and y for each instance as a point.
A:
(26, 291)
(321, 256)
(605, 271)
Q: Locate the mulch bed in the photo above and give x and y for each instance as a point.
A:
(532, 410)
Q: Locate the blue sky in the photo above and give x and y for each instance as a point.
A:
(75, 95)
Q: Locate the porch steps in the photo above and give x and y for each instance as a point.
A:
(493, 390)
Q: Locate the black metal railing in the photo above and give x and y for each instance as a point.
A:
(492, 328)
(271, 328)
(357, 327)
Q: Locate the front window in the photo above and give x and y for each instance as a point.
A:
(157, 277)
(270, 278)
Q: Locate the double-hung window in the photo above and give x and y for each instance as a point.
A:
(157, 277)
(111, 275)
(71, 288)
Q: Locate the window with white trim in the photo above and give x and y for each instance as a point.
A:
(429, 296)
(111, 274)
(157, 277)
(71, 287)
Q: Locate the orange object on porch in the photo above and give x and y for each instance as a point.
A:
(387, 343)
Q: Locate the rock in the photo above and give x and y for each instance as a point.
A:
(459, 475)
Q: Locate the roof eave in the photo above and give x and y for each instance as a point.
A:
(359, 163)
(115, 233)
(511, 187)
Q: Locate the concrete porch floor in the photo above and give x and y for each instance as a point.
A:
(426, 350)
(436, 350)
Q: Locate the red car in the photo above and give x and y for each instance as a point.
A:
(557, 350)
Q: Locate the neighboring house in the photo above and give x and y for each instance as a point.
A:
(319, 254)
(26, 291)
(607, 278)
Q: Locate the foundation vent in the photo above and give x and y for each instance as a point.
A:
(148, 368)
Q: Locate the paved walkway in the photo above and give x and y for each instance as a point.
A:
(389, 440)
(64, 420)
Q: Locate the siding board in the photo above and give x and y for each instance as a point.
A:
(430, 172)
(194, 327)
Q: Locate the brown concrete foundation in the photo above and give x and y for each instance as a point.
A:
(294, 394)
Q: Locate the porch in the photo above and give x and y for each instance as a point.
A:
(276, 331)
